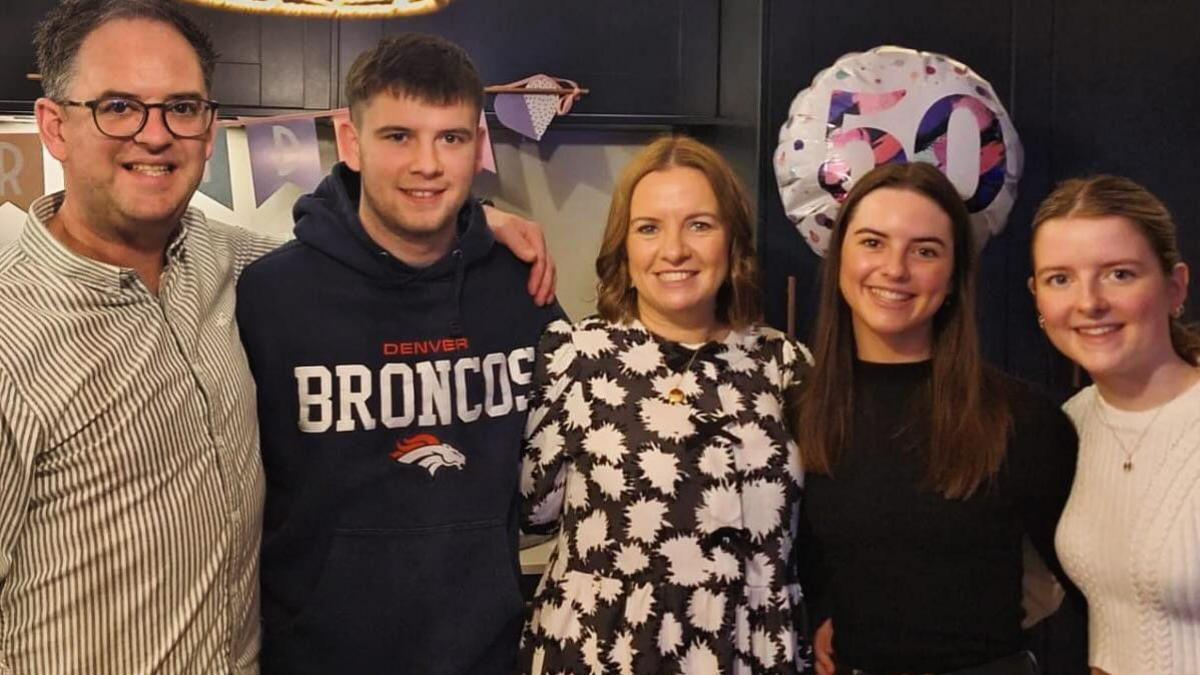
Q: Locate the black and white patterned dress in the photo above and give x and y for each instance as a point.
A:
(675, 551)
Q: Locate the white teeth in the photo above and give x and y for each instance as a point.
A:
(674, 276)
(421, 193)
(1098, 330)
(890, 295)
(150, 169)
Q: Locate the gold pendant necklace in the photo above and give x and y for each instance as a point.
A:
(675, 394)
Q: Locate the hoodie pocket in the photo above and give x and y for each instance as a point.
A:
(431, 600)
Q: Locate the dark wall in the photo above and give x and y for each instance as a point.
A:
(16, 54)
(651, 60)
(271, 62)
(637, 57)
(1090, 86)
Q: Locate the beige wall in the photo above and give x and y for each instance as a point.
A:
(563, 182)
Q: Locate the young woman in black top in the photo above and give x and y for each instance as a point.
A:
(925, 468)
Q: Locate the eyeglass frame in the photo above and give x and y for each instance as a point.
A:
(93, 104)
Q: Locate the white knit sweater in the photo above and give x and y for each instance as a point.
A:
(1131, 540)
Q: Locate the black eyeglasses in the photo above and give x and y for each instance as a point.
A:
(124, 118)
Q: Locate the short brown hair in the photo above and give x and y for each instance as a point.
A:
(737, 300)
(1105, 195)
(62, 31)
(967, 407)
(428, 68)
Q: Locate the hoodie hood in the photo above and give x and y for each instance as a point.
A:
(324, 218)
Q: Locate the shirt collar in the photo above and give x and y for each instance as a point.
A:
(41, 246)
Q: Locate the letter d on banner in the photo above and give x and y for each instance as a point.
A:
(21, 179)
(285, 144)
(283, 151)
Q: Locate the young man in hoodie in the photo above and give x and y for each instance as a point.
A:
(393, 344)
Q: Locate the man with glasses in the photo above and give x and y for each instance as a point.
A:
(130, 480)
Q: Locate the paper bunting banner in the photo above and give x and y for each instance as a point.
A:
(530, 114)
(216, 183)
(21, 177)
(283, 152)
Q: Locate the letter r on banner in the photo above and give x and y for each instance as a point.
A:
(10, 171)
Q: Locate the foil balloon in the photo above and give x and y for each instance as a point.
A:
(892, 104)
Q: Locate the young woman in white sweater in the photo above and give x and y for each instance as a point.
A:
(1110, 288)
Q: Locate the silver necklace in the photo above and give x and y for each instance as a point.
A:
(1127, 466)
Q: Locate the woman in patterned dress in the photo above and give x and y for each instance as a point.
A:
(657, 445)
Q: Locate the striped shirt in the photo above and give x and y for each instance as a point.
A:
(130, 480)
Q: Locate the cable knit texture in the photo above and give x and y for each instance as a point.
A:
(1131, 540)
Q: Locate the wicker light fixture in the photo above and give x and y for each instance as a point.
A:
(330, 9)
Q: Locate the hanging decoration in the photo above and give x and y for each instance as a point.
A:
(528, 106)
(487, 155)
(21, 175)
(216, 183)
(283, 151)
(892, 104)
(330, 9)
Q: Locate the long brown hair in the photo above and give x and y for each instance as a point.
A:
(738, 298)
(968, 413)
(1104, 195)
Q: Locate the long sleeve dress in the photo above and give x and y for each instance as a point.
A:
(674, 553)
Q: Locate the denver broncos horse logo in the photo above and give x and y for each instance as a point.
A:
(427, 451)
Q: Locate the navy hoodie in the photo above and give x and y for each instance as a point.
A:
(392, 405)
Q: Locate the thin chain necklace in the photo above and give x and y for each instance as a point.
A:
(1127, 466)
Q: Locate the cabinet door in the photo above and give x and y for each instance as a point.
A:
(270, 62)
(17, 55)
(637, 57)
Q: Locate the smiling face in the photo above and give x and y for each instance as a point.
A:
(678, 251)
(143, 182)
(897, 261)
(417, 161)
(1103, 295)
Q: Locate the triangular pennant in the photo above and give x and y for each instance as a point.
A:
(216, 183)
(487, 156)
(341, 120)
(283, 152)
(21, 174)
(528, 114)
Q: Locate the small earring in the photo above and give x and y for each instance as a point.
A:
(1041, 322)
(1177, 313)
